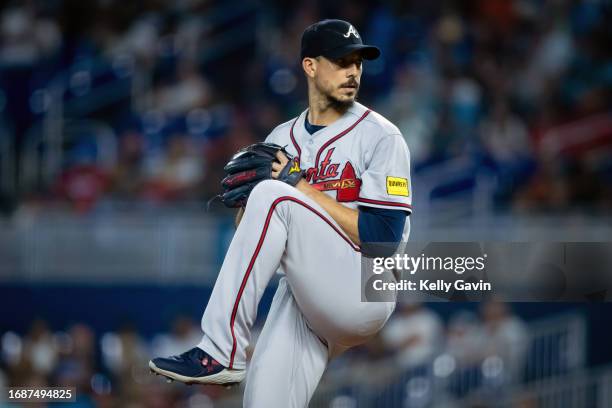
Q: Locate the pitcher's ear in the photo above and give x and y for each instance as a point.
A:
(309, 65)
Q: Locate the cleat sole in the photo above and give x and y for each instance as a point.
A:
(228, 378)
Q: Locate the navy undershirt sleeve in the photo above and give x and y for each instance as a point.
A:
(378, 225)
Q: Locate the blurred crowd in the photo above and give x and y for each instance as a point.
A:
(515, 90)
(423, 360)
(110, 369)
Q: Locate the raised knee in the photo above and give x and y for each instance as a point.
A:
(270, 189)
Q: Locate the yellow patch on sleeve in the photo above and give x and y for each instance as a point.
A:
(397, 186)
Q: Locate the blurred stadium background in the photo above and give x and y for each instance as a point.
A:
(116, 118)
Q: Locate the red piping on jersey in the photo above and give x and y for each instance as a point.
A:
(389, 203)
(297, 147)
(338, 136)
(258, 248)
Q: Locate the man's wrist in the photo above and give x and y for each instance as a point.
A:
(239, 215)
(302, 185)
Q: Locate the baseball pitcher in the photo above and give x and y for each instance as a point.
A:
(312, 197)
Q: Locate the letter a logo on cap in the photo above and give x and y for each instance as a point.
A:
(351, 30)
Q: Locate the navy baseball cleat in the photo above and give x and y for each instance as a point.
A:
(195, 367)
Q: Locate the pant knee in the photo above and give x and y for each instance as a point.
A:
(267, 191)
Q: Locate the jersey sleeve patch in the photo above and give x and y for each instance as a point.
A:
(397, 186)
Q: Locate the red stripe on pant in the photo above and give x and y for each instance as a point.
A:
(258, 248)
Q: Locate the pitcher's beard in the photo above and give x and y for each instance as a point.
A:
(340, 105)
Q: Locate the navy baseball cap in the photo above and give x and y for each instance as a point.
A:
(334, 39)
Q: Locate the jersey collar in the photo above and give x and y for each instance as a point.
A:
(353, 113)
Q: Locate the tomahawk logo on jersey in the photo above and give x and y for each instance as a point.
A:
(359, 160)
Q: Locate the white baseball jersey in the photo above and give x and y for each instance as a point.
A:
(359, 160)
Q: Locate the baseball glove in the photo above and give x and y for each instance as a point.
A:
(252, 165)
